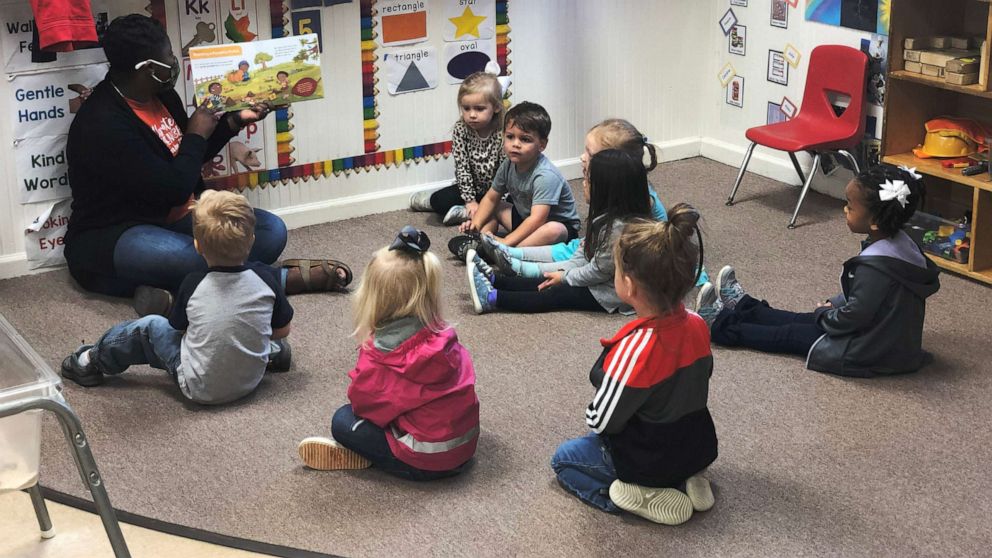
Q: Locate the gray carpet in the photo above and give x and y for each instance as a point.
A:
(809, 464)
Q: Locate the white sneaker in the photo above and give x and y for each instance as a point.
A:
(457, 215)
(421, 201)
(700, 493)
(667, 506)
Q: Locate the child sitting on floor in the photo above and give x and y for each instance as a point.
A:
(413, 413)
(617, 190)
(226, 327)
(614, 133)
(542, 209)
(651, 430)
(876, 326)
(477, 147)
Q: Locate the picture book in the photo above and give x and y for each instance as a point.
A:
(237, 76)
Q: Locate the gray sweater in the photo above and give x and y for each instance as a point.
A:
(597, 275)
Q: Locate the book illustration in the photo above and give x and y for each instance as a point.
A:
(278, 71)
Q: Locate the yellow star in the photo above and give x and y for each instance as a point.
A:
(467, 23)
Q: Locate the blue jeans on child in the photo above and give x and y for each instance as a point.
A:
(162, 255)
(756, 325)
(585, 468)
(149, 340)
(369, 441)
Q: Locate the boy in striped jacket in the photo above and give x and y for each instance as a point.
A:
(652, 434)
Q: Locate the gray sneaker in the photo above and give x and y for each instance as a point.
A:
(729, 288)
(479, 288)
(492, 251)
(421, 201)
(708, 304)
(457, 215)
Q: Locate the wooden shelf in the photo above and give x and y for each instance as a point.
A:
(976, 89)
(984, 275)
(931, 167)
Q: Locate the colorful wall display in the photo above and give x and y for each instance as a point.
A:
(865, 15)
(411, 70)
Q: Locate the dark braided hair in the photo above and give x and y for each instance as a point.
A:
(889, 216)
(132, 39)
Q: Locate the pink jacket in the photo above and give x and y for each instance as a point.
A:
(422, 394)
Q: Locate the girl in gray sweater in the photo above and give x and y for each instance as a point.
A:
(616, 189)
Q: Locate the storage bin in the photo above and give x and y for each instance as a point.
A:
(23, 376)
(940, 237)
(20, 450)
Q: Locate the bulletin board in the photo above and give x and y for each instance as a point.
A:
(390, 71)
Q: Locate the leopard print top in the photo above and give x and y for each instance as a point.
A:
(476, 159)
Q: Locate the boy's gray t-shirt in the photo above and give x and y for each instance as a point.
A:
(542, 185)
(228, 314)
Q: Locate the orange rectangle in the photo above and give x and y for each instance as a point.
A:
(404, 27)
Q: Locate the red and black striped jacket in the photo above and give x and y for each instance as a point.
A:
(652, 381)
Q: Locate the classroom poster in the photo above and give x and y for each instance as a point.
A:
(735, 92)
(44, 238)
(466, 20)
(42, 172)
(865, 15)
(44, 104)
(18, 26)
(401, 22)
(236, 76)
(411, 70)
(198, 24)
(464, 58)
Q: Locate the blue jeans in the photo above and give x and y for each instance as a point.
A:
(162, 256)
(756, 325)
(585, 468)
(369, 441)
(149, 340)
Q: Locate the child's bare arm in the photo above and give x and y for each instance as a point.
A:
(538, 217)
(484, 213)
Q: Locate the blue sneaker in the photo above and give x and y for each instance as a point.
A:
(472, 257)
(729, 288)
(708, 304)
(479, 287)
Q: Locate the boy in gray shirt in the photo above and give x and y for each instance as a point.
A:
(227, 325)
(543, 208)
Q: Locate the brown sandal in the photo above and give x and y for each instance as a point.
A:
(334, 282)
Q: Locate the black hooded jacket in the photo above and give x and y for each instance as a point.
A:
(876, 327)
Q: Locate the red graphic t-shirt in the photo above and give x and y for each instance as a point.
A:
(154, 114)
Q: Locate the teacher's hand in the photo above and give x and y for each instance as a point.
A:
(253, 114)
(203, 121)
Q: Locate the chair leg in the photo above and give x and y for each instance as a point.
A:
(850, 159)
(799, 169)
(740, 174)
(41, 510)
(802, 195)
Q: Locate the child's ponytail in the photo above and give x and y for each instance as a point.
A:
(665, 258)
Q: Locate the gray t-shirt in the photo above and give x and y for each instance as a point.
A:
(542, 185)
(228, 314)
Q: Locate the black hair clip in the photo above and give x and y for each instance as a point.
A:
(411, 240)
(644, 140)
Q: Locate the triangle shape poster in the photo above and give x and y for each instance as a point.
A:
(411, 70)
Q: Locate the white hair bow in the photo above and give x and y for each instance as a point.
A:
(911, 172)
(895, 190)
(504, 81)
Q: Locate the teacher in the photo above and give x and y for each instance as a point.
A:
(134, 162)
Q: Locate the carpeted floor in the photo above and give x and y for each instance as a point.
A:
(809, 464)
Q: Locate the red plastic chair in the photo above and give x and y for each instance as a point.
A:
(833, 69)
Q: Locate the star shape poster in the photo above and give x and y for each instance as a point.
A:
(469, 20)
